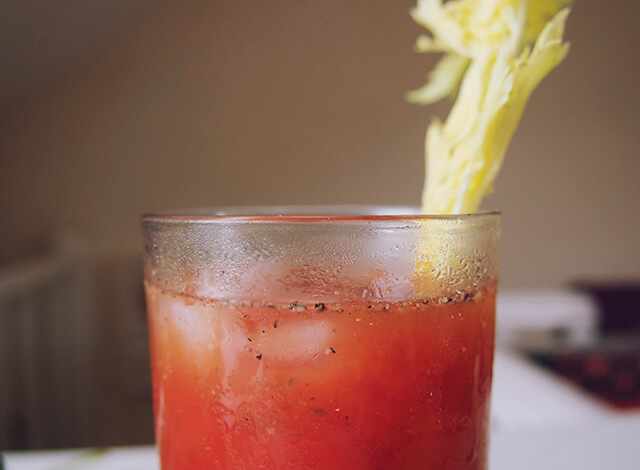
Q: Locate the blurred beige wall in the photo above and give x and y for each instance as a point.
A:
(205, 103)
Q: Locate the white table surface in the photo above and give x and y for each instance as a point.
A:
(537, 422)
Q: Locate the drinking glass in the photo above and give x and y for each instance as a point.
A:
(321, 337)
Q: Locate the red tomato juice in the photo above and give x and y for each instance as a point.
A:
(351, 385)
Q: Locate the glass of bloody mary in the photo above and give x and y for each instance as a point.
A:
(321, 337)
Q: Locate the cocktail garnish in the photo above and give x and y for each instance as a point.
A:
(495, 54)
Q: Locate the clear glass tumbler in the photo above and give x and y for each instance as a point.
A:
(321, 338)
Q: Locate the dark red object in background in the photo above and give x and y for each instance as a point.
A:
(619, 306)
(610, 369)
(609, 365)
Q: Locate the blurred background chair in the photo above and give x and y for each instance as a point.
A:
(47, 349)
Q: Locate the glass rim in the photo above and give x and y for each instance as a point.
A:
(308, 214)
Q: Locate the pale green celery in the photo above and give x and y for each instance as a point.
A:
(444, 80)
(489, 55)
